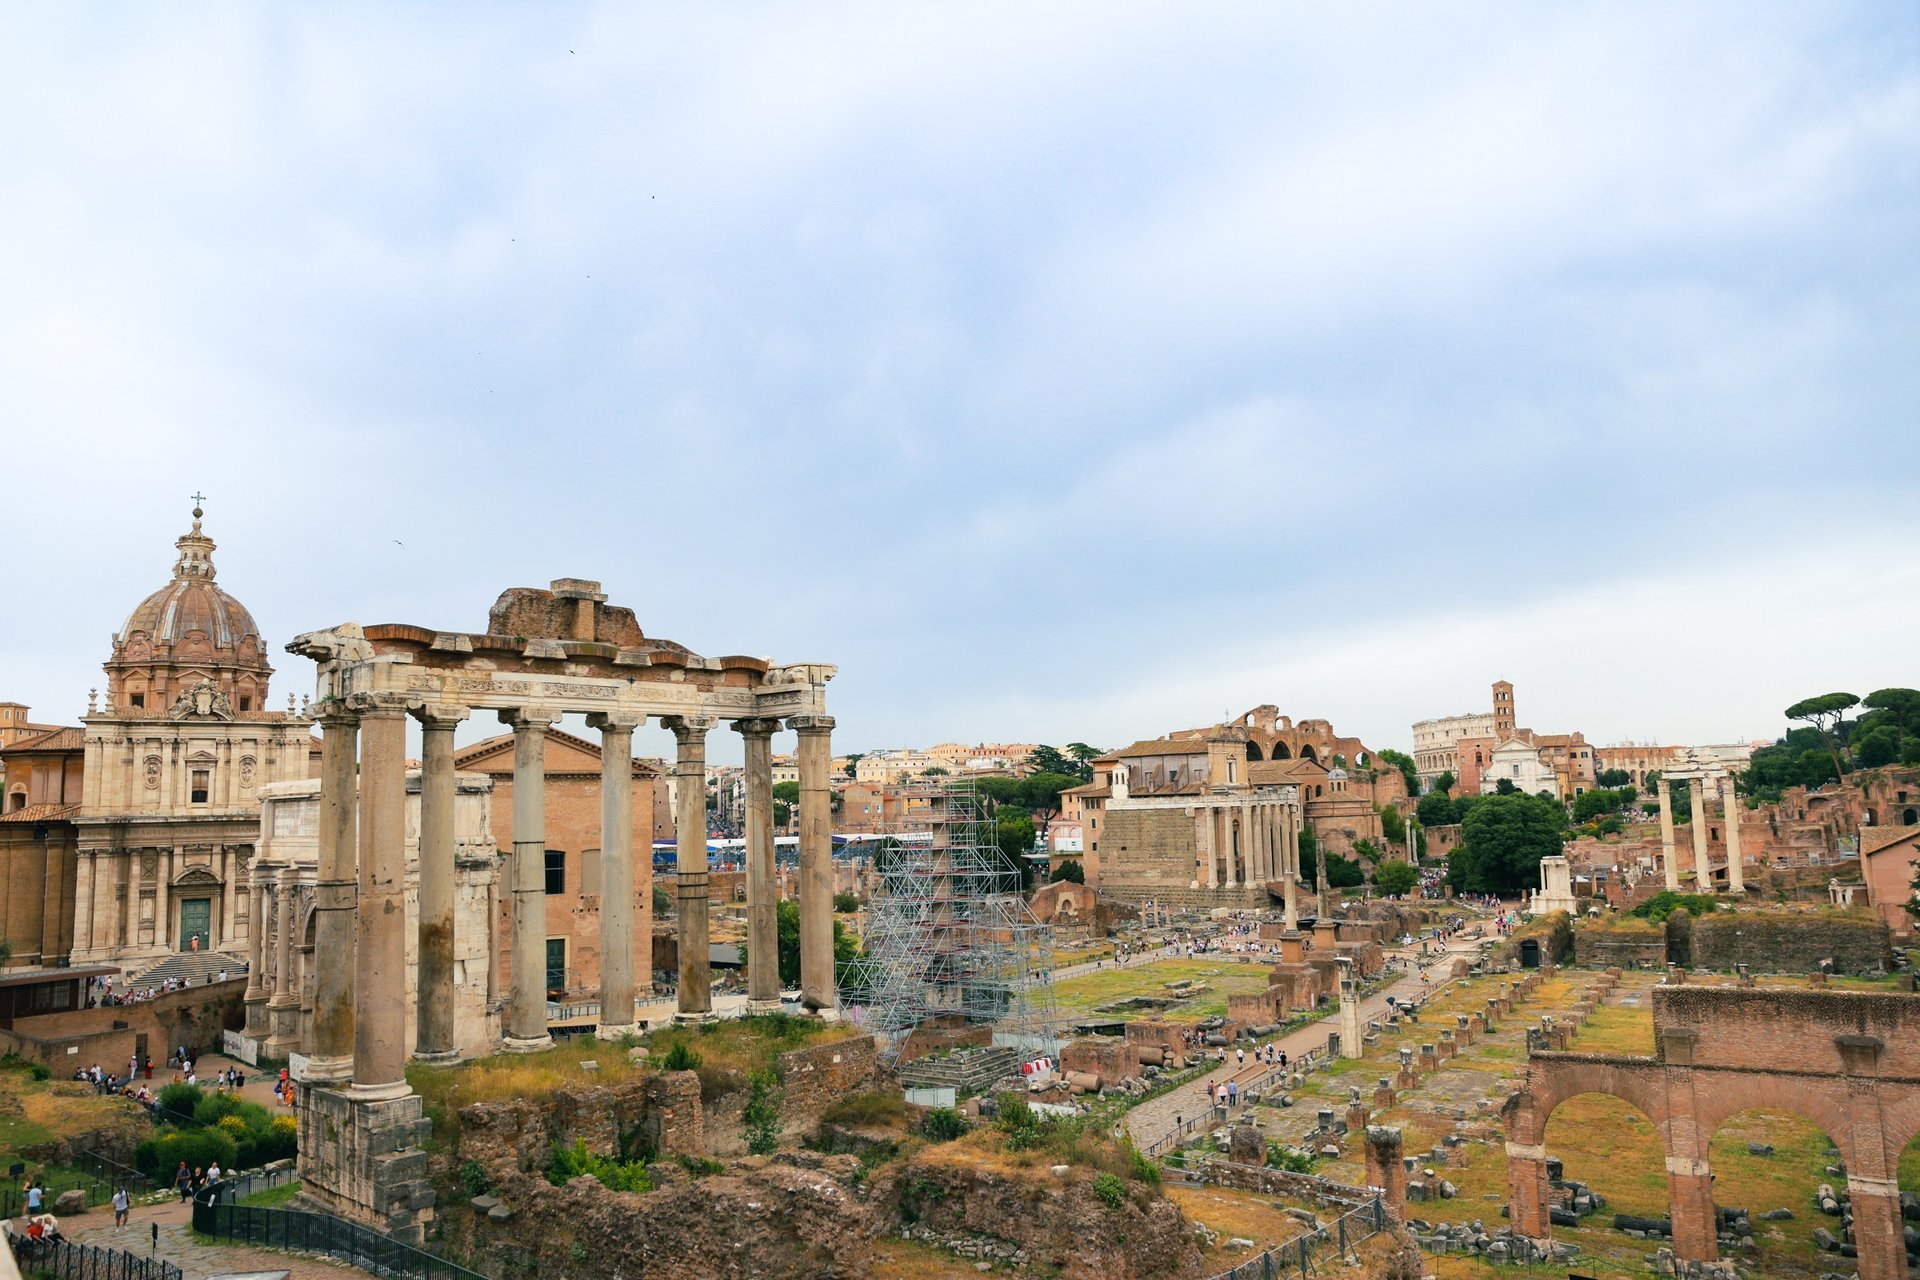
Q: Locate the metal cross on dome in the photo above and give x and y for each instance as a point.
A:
(199, 498)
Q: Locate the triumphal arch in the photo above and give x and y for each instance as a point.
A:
(546, 653)
(1847, 1061)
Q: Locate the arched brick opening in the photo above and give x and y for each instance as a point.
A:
(1253, 751)
(1307, 752)
(1280, 751)
(1783, 1175)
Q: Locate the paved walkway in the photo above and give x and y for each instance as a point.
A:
(1153, 1120)
(196, 1260)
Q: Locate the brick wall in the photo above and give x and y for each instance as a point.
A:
(820, 1074)
(1792, 942)
(194, 1016)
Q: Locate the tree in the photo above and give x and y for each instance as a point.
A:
(1045, 759)
(786, 914)
(787, 791)
(845, 904)
(1364, 849)
(1445, 782)
(1504, 787)
(853, 762)
(1878, 746)
(1614, 778)
(1083, 756)
(1589, 805)
(935, 771)
(1395, 877)
(1344, 873)
(1014, 833)
(1503, 840)
(1899, 707)
(1405, 764)
(1393, 827)
(1816, 768)
(1436, 809)
(1040, 793)
(1071, 871)
(1309, 856)
(1826, 713)
(662, 903)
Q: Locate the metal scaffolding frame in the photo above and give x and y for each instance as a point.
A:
(948, 933)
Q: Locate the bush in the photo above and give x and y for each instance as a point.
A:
(1279, 1157)
(1013, 1114)
(199, 1148)
(680, 1058)
(1666, 902)
(32, 1070)
(568, 1163)
(845, 904)
(944, 1124)
(1141, 1166)
(1112, 1191)
(473, 1178)
(866, 1109)
(180, 1103)
(762, 1114)
(700, 1166)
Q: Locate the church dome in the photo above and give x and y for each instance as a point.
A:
(191, 602)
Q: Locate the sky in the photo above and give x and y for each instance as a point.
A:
(1064, 372)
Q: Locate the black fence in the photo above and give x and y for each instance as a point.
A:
(299, 1231)
(65, 1260)
(1314, 1252)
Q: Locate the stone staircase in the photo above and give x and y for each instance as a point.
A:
(963, 1069)
(194, 968)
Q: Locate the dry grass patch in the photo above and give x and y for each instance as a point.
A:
(1237, 1213)
(1617, 1029)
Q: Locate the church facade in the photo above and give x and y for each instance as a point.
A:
(174, 761)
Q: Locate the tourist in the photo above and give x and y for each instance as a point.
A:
(35, 1196)
(183, 1182)
(1240, 1057)
(213, 1173)
(122, 1204)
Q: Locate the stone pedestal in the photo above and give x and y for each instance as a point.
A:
(1385, 1169)
(360, 1158)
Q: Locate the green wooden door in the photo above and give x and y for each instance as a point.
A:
(196, 920)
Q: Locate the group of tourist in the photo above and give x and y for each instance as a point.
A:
(190, 1182)
(100, 990)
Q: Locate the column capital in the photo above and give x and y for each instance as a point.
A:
(332, 713)
(440, 715)
(529, 717)
(757, 727)
(377, 705)
(810, 724)
(615, 721)
(689, 726)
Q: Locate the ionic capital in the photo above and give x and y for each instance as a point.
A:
(615, 721)
(810, 724)
(530, 718)
(377, 706)
(331, 713)
(688, 727)
(440, 715)
(757, 727)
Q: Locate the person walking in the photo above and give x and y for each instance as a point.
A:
(122, 1205)
(183, 1182)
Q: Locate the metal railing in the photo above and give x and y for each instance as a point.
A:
(66, 1260)
(1305, 1255)
(301, 1231)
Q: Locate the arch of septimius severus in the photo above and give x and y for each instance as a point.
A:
(545, 654)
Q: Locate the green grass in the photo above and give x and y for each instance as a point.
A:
(272, 1197)
(1223, 978)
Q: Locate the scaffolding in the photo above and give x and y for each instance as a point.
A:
(949, 937)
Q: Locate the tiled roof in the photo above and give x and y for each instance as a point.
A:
(1873, 839)
(1159, 747)
(55, 738)
(42, 813)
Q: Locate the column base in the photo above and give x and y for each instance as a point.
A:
(761, 1007)
(378, 1092)
(617, 1031)
(522, 1044)
(828, 1014)
(327, 1071)
(436, 1058)
(694, 1017)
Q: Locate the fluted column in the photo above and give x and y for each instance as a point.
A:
(255, 998)
(690, 864)
(1736, 874)
(433, 1039)
(336, 893)
(1319, 878)
(283, 1005)
(1290, 868)
(616, 870)
(1672, 866)
(763, 932)
(818, 992)
(1702, 864)
(527, 1000)
(380, 938)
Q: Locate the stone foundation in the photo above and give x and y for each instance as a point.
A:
(362, 1160)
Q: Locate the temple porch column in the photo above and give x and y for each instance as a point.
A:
(336, 892)
(380, 938)
(616, 871)
(1736, 874)
(1670, 866)
(1702, 863)
(690, 858)
(763, 940)
(818, 994)
(433, 995)
(283, 1005)
(255, 998)
(527, 998)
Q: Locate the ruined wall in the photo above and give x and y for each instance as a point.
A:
(1792, 942)
(192, 1016)
(1625, 941)
(814, 1077)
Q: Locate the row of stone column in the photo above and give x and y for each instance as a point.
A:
(1268, 846)
(1703, 864)
(360, 908)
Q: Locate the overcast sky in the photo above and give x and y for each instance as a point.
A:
(1061, 372)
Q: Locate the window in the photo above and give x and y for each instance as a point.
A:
(246, 704)
(201, 779)
(17, 801)
(139, 699)
(556, 872)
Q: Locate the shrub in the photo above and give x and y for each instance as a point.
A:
(1112, 1191)
(1140, 1166)
(32, 1070)
(473, 1178)
(1666, 902)
(845, 904)
(943, 1124)
(1279, 1157)
(1013, 1114)
(568, 1163)
(701, 1167)
(762, 1114)
(158, 1157)
(680, 1058)
(180, 1103)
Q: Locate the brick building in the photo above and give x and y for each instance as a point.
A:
(39, 843)
(573, 852)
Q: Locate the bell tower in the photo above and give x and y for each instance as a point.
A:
(1502, 709)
